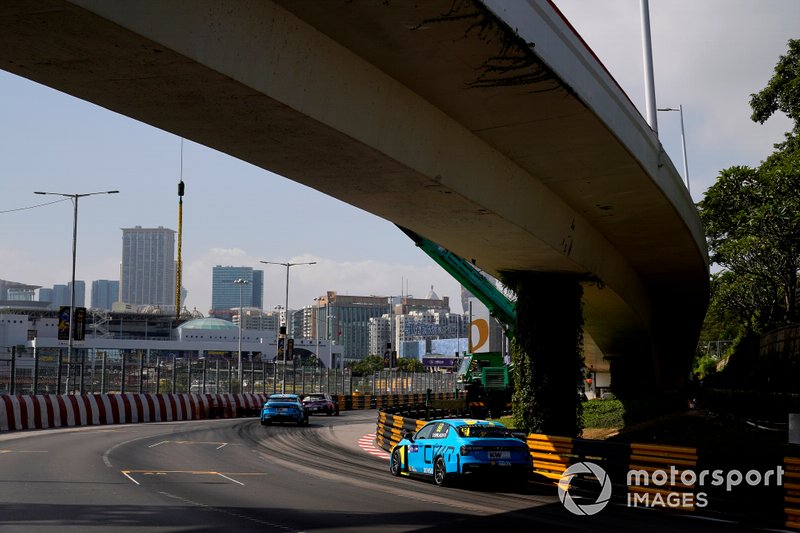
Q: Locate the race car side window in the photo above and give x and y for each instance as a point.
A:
(425, 432)
(440, 431)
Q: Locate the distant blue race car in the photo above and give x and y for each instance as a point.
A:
(284, 408)
(445, 450)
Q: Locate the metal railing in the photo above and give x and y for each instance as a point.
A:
(102, 372)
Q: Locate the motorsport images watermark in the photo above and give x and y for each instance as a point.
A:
(677, 487)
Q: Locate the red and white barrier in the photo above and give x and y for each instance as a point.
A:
(67, 410)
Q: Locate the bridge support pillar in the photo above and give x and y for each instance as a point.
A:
(547, 352)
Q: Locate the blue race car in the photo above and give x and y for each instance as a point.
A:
(284, 408)
(449, 449)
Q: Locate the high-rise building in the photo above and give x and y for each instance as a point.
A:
(61, 296)
(46, 295)
(225, 294)
(80, 293)
(104, 293)
(257, 319)
(415, 323)
(147, 271)
(346, 320)
(427, 326)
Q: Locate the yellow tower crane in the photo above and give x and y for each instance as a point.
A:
(178, 264)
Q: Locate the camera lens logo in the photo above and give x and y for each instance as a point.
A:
(587, 508)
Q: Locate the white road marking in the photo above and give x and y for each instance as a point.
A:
(129, 477)
(230, 479)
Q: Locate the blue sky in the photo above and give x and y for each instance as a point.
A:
(709, 56)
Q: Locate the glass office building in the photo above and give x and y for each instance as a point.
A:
(104, 294)
(225, 293)
(147, 272)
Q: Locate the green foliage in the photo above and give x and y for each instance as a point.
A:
(739, 367)
(782, 92)
(627, 413)
(547, 353)
(367, 366)
(752, 220)
(604, 414)
(410, 365)
(704, 366)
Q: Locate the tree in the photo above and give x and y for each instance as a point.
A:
(782, 92)
(753, 230)
(752, 217)
(410, 365)
(752, 221)
(368, 365)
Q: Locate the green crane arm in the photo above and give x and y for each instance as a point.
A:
(499, 306)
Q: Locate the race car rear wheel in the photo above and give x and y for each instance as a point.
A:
(394, 463)
(439, 472)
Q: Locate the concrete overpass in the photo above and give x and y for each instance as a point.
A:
(488, 127)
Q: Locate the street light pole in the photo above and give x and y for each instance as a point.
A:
(241, 283)
(286, 310)
(74, 197)
(647, 57)
(683, 143)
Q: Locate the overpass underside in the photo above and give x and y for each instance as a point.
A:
(489, 128)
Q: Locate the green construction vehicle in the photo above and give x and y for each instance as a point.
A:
(485, 381)
(483, 377)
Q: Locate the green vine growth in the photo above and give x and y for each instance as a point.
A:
(547, 352)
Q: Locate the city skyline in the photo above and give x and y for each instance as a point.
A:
(709, 57)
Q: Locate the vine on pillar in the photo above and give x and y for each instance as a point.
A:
(547, 352)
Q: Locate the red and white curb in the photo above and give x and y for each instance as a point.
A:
(367, 443)
(45, 411)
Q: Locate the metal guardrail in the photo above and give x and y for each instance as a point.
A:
(666, 468)
(100, 372)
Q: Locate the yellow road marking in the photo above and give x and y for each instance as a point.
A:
(23, 451)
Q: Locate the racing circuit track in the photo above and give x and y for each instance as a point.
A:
(235, 475)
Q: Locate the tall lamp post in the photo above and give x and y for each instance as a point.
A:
(241, 283)
(683, 142)
(74, 197)
(285, 345)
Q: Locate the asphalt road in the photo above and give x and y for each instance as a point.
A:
(235, 475)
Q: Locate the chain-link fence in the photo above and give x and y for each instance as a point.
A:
(52, 371)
